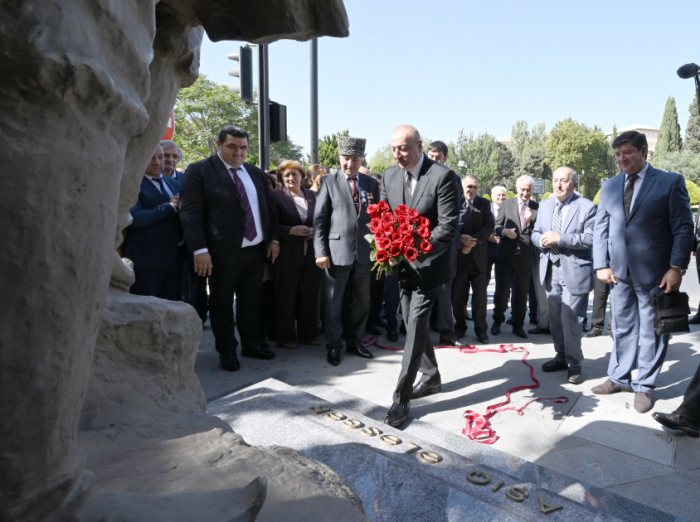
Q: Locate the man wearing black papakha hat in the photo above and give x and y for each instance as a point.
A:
(340, 224)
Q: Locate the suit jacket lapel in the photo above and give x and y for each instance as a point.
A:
(225, 176)
(515, 213)
(344, 186)
(310, 206)
(570, 213)
(148, 186)
(423, 179)
(647, 183)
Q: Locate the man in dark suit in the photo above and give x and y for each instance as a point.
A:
(564, 236)
(696, 254)
(498, 196)
(230, 223)
(472, 260)
(516, 255)
(153, 239)
(433, 190)
(687, 416)
(340, 225)
(641, 242)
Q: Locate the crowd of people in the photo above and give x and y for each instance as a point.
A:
(290, 246)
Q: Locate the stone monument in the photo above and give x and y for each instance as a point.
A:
(87, 89)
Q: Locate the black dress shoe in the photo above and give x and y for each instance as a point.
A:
(496, 328)
(397, 414)
(574, 375)
(509, 321)
(333, 356)
(538, 330)
(423, 389)
(518, 330)
(258, 353)
(229, 361)
(371, 329)
(484, 338)
(675, 422)
(447, 341)
(593, 332)
(694, 320)
(392, 336)
(359, 350)
(555, 365)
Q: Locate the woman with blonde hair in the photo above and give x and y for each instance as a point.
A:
(297, 278)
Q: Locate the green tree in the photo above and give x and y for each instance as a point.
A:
(203, 108)
(692, 130)
(528, 148)
(584, 149)
(382, 159)
(669, 132)
(693, 192)
(328, 149)
(510, 194)
(686, 163)
(484, 157)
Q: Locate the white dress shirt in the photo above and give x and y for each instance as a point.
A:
(637, 184)
(153, 179)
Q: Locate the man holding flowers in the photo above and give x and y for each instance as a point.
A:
(417, 238)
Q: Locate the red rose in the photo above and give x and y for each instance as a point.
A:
(384, 243)
(379, 234)
(408, 241)
(395, 249)
(404, 220)
(389, 231)
(383, 206)
(382, 256)
(401, 210)
(375, 225)
(388, 219)
(406, 230)
(414, 215)
(425, 247)
(373, 210)
(423, 232)
(396, 237)
(410, 254)
(424, 222)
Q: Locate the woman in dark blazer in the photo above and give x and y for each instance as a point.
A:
(297, 278)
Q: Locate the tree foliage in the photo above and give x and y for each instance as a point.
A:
(200, 112)
(686, 163)
(584, 149)
(692, 130)
(669, 132)
(328, 149)
(528, 148)
(693, 192)
(484, 157)
(510, 194)
(382, 159)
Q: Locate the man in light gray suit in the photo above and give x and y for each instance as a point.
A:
(340, 225)
(564, 234)
(641, 243)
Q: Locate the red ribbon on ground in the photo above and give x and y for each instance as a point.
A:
(477, 427)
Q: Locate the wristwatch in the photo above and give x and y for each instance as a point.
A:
(679, 270)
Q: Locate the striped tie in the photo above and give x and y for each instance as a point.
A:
(250, 231)
(556, 227)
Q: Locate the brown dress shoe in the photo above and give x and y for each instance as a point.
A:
(642, 402)
(606, 388)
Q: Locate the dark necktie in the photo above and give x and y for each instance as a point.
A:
(160, 182)
(629, 192)
(468, 218)
(556, 227)
(407, 189)
(250, 232)
(522, 216)
(355, 194)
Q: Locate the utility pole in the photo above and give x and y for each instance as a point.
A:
(314, 101)
(263, 107)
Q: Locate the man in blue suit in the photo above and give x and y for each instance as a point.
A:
(153, 239)
(564, 234)
(642, 241)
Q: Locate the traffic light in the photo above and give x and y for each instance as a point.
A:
(244, 57)
(278, 122)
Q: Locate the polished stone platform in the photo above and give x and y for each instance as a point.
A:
(400, 482)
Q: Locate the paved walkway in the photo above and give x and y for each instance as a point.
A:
(600, 440)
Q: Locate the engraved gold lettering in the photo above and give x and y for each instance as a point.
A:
(371, 432)
(516, 494)
(390, 440)
(413, 448)
(335, 416)
(429, 457)
(478, 478)
(352, 424)
(319, 409)
(546, 509)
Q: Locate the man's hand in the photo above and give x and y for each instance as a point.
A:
(309, 232)
(466, 249)
(550, 238)
(468, 241)
(528, 215)
(202, 264)
(323, 262)
(510, 233)
(299, 230)
(273, 250)
(175, 201)
(494, 238)
(671, 281)
(606, 275)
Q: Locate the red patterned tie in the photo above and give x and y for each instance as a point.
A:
(250, 232)
(355, 194)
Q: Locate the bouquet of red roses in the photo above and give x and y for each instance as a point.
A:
(401, 234)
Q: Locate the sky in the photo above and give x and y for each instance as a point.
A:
(448, 65)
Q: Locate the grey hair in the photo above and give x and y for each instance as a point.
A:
(526, 179)
(498, 187)
(470, 176)
(169, 144)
